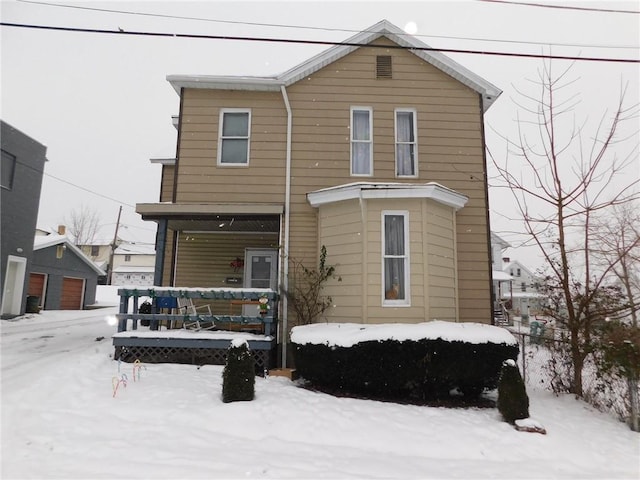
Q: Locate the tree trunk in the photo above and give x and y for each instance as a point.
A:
(634, 421)
(578, 363)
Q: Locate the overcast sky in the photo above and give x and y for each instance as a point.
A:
(103, 107)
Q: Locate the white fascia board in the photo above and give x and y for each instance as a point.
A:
(163, 161)
(433, 191)
(216, 82)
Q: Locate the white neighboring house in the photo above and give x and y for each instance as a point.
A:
(521, 295)
(501, 279)
(133, 264)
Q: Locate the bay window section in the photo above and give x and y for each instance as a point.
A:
(395, 248)
(234, 137)
(361, 141)
(406, 145)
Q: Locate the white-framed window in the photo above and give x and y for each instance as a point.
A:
(127, 258)
(234, 137)
(395, 258)
(406, 142)
(362, 141)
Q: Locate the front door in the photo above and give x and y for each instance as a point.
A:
(260, 271)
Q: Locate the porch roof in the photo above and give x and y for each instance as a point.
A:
(228, 217)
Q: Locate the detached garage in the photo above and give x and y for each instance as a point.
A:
(62, 277)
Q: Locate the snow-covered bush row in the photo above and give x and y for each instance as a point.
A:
(426, 360)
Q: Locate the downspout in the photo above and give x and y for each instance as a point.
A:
(284, 253)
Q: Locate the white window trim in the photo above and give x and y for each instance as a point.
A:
(352, 140)
(248, 137)
(415, 141)
(405, 302)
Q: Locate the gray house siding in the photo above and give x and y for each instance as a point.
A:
(56, 269)
(19, 201)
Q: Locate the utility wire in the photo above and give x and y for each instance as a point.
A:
(299, 27)
(317, 42)
(563, 7)
(42, 172)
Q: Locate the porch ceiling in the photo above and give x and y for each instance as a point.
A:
(214, 217)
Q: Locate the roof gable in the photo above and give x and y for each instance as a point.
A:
(41, 242)
(383, 28)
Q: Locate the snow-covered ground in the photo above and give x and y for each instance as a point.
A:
(60, 419)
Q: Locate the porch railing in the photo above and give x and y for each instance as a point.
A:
(163, 298)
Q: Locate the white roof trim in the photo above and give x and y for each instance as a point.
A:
(163, 161)
(40, 242)
(383, 28)
(368, 190)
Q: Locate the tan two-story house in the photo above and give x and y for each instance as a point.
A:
(373, 148)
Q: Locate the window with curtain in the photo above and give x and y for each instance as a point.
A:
(233, 144)
(395, 258)
(361, 141)
(406, 148)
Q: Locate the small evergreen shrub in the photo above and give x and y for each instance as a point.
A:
(238, 376)
(513, 401)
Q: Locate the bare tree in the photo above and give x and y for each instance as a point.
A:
(82, 225)
(559, 182)
(617, 239)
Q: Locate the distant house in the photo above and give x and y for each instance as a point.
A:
(374, 148)
(62, 277)
(133, 265)
(522, 295)
(23, 160)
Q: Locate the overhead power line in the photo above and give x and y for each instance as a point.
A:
(563, 7)
(302, 27)
(316, 42)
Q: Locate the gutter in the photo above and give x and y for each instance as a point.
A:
(284, 253)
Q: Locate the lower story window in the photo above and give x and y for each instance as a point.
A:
(395, 258)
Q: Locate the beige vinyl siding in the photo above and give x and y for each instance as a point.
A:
(341, 228)
(354, 248)
(203, 258)
(263, 180)
(450, 152)
(166, 183)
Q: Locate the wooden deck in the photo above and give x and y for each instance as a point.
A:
(166, 340)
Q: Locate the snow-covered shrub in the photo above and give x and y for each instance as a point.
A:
(513, 401)
(402, 361)
(238, 376)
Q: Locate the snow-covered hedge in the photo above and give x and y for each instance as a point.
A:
(425, 360)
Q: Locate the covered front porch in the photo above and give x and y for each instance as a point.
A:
(175, 331)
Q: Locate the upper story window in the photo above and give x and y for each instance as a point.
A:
(406, 146)
(8, 169)
(523, 286)
(518, 273)
(95, 250)
(395, 258)
(127, 258)
(234, 136)
(361, 141)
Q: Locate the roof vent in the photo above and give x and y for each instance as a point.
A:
(383, 66)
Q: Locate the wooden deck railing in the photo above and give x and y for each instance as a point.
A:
(161, 297)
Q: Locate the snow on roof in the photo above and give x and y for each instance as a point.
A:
(356, 190)
(499, 276)
(383, 28)
(348, 334)
(40, 242)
